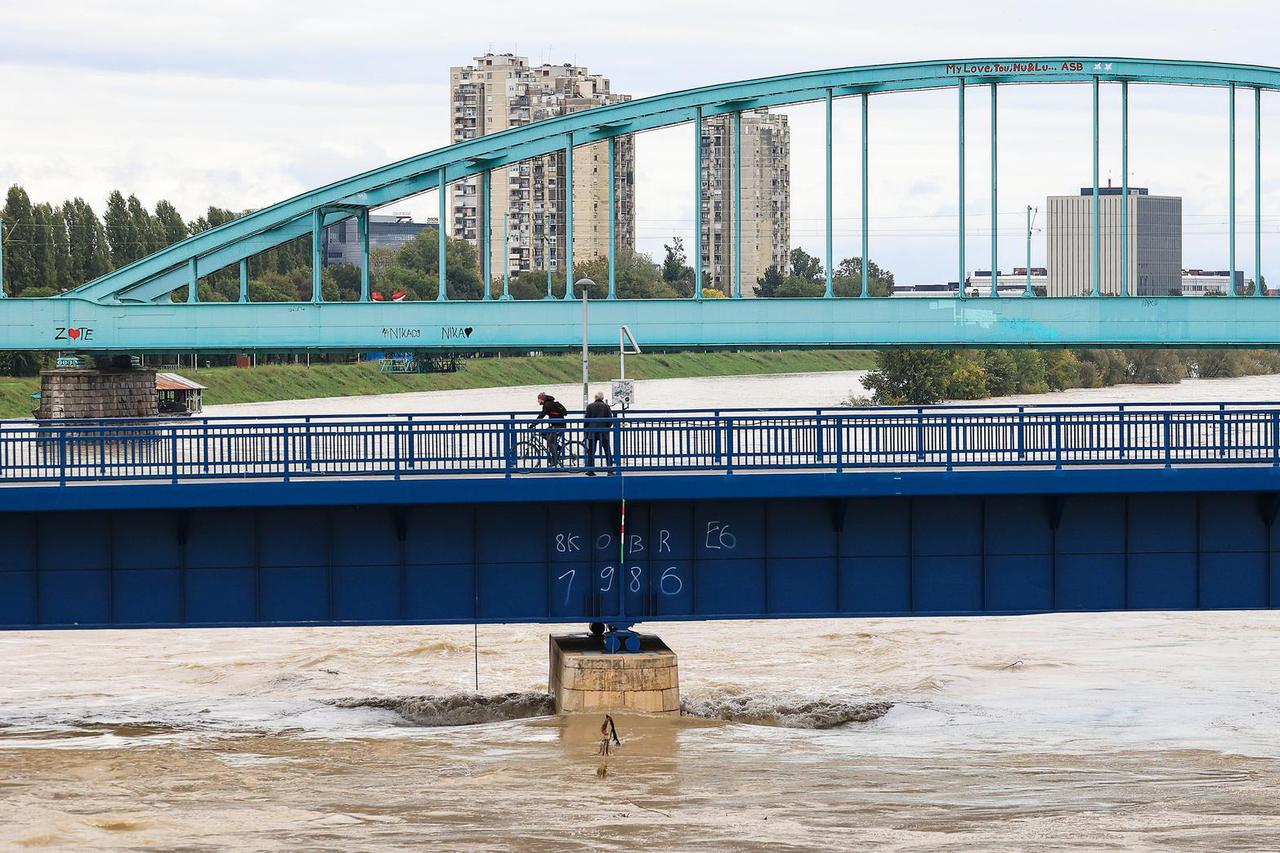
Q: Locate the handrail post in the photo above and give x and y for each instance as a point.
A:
(173, 452)
(204, 444)
(919, 434)
(102, 448)
(616, 428)
(285, 439)
(62, 455)
(728, 443)
(839, 444)
(395, 442)
(1275, 439)
(1168, 441)
(1120, 422)
(1222, 430)
(1022, 432)
(948, 437)
(1057, 440)
(306, 442)
(821, 443)
(509, 445)
(716, 432)
(408, 443)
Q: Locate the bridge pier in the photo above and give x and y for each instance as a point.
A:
(584, 677)
(94, 393)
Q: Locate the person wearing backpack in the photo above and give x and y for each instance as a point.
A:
(598, 417)
(555, 413)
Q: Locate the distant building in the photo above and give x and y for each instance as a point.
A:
(1155, 242)
(766, 198)
(342, 241)
(1211, 282)
(502, 91)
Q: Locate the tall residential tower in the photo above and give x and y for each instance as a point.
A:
(766, 198)
(502, 91)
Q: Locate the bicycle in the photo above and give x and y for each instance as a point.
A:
(533, 449)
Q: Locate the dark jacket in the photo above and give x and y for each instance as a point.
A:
(553, 409)
(598, 409)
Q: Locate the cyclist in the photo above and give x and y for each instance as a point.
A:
(555, 413)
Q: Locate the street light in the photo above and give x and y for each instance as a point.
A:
(585, 284)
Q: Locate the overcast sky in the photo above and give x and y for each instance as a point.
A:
(241, 104)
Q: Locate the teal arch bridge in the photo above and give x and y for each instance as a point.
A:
(131, 309)
(707, 515)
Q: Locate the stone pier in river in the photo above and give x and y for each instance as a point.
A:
(584, 677)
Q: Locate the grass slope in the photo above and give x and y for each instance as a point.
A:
(299, 382)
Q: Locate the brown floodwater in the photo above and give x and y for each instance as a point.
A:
(1114, 731)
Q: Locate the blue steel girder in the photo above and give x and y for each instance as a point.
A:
(156, 274)
(476, 325)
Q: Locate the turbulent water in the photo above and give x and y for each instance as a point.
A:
(1111, 731)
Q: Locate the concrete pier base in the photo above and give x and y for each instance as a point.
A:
(583, 678)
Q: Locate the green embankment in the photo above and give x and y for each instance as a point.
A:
(299, 382)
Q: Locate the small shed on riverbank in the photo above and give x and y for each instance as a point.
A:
(179, 395)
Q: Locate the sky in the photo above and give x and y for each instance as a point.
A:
(242, 104)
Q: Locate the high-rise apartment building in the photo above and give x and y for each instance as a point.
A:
(766, 198)
(527, 199)
(1155, 242)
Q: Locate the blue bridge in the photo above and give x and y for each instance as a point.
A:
(698, 515)
(133, 309)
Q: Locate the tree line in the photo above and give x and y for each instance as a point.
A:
(923, 377)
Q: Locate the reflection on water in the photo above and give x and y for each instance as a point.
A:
(1131, 731)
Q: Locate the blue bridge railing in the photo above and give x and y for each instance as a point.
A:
(838, 440)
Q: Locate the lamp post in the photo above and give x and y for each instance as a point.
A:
(1031, 213)
(585, 284)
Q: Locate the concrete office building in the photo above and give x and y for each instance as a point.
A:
(342, 241)
(502, 91)
(766, 198)
(1155, 242)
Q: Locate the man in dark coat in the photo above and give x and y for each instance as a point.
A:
(599, 423)
(555, 413)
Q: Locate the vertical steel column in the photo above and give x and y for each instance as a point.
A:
(442, 265)
(506, 255)
(960, 252)
(697, 204)
(568, 219)
(737, 205)
(995, 262)
(830, 289)
(317, 255)
(1231, 193)
(2, 293)
(1097, 206)
(1124, 187)
(866, 225)
(486, 225)
(362, 223)
(193, 281)
(613, 217)
(244, 279)
(1257, 191)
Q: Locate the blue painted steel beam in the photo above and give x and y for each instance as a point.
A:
(317, 255)
(567, 179)
(1232, 290)
(613, 218)
(866, 191)
(362, 224)
(33, 324)
(244, 280)
(486, 235)
(961, 289)
(193, 280)
(737, 205)
(442, 231)
(1096, 251)
(830, 230)
(697, 205)
(2, 291)
(995, 198)
(1257, 192)
(411, 176)
(1124, 190)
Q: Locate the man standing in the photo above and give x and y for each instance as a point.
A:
(555, 413)
(599, 423)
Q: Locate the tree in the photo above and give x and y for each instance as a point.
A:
(767, 286)
(19, 241)
(1002, 372)
(636, 276)
(145, 229)
(88, 253)
(44, 249)
(121, 234)
(675, 267)
(916, 377)
(806, 267)
(170, 226)
(848, 279)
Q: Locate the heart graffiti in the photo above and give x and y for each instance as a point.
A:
(467, 331)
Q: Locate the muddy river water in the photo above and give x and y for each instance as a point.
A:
(1100, 731)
